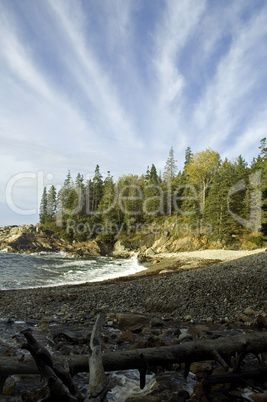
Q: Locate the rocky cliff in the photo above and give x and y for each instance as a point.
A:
(154, 240)
(37, 238)
(168, 238)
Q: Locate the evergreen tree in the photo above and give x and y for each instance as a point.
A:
(260, 165)
(43, 207)
(153, 195)
(170, 169)
(153, 175)
(51, 204)
(216, 211)
(130, 199)
(169, 174)
(89, 198)
(80, 197)
(147, 175)
(108, 211)
(65, 201)
(239, 202)
(97, 188)
(188, 158)
(107, 200)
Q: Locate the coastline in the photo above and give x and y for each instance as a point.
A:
(194, 299)
(187, 284)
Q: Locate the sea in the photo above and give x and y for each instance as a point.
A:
(21, 271)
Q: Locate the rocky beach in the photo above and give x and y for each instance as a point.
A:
(201, 294)
(213, 285)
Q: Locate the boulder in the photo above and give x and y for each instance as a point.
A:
(132, 322)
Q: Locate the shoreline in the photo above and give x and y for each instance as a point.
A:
(174, 287)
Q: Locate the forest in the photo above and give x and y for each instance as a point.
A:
(218, 197)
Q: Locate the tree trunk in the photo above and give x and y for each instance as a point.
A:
(219, 350)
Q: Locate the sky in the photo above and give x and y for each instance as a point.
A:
(118, 83)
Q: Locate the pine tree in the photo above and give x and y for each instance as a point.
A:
(260, 165)
(153, 175)
(97, 188)
(169, 174)
(107, 201)
(188, 158)
(80, 196)
(170, 169)
(43, 208)
(51, 204)
(216, 211)
(130, 198)
(153, 195)
(108, 211)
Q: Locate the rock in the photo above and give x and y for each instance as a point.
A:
(126, 337)
(261, 321)
(150, 253)
(132, 322)
(121, 251)
(245, 318)
(185, 338)
(9, 386)
(35, 239)
(201, 367)
(249, 312)
(261, 397)
(156, 322)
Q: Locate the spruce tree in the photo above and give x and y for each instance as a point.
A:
(97, 188)
(153, 197)
(169, 174)
(43, 207)
(216, 211)
(51, 204)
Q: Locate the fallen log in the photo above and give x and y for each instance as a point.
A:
(220, 350)
(58, 383)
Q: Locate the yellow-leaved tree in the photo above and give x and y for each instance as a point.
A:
(200, 171)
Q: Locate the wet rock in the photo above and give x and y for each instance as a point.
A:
(185, 338)
(132, 322)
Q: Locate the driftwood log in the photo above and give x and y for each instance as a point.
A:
(60, 381)
(97, 379)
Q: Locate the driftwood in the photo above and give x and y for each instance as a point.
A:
(59, 383)
(97, 378)
(220, 350)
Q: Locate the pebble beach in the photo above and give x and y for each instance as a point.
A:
(176, 298)
(211, 285)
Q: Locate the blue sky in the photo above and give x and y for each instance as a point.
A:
(118, 82)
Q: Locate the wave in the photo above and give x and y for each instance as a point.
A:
(19, 271)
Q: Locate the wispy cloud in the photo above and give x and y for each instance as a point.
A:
(179, 21)
(229, 103)
(120, 82)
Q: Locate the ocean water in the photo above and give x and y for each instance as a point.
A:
(18, 271)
